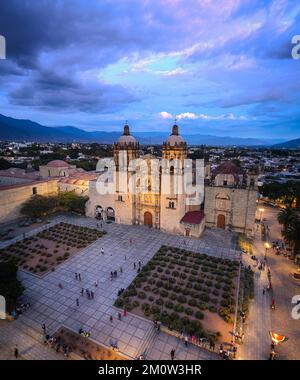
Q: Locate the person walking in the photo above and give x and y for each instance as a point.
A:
(102, 251)
(77, 302)
(16, 352)
(172, 353)
(76, 276)
(44, 328)
(121, 270)
(111, 319)
(82, 291)
(79, 276)
(134, 265)
(140, 264)
(186, 341)
(119, 316)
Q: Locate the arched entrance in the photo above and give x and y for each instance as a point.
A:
(99, 212)
(148, 219)
(110, 214)
(221, 221)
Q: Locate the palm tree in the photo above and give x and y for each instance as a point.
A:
(287, 216)
(291, 235)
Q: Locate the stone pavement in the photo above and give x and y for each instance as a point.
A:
(262, 319)
(28, 341)
(56, 307)
(257, 340)
(284, 289)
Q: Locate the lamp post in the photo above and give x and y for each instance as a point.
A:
(267, 246)
(261, 210)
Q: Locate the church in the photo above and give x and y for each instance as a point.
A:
(226, 200)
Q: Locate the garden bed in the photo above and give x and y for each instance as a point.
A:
(86, 348)
(189, 292)
(43, 252)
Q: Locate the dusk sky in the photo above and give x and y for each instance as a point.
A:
(222, 67)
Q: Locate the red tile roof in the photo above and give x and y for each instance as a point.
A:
(193, 217)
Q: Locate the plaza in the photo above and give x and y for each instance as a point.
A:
(123, 246)
(56, 306)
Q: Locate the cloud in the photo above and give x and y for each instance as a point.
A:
(202, 116)
(53, 91)
(166, 115)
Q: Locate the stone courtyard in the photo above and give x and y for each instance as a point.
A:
(56, 306)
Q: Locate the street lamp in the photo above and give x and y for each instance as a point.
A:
(267, 246)
(261, 210)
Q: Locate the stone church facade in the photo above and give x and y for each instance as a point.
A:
(228, 199)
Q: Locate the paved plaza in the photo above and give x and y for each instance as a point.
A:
(123, 246)
(55, 306)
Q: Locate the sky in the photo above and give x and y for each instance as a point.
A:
(220, 67)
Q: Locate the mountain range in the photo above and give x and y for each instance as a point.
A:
(12, 129)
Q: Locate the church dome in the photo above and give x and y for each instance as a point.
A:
(58, 164)
(175, 138)
(126, 138)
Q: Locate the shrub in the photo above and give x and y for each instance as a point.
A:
(142, 295)
(164, 293)
(179, 308)
(169, 304)
(204, 297)
(199, 315)
(189, 311)
(192, 302)
(181, 299)
(119, 302)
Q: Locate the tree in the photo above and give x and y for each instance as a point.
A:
(290, 220)
(4, 164)
(292, 236)
(286, 193)
(287, 216)
(70, 201)
(10, 287)
(39, 206)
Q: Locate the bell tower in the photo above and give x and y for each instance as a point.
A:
(126, 149)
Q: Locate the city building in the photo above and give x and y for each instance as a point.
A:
(228, 200)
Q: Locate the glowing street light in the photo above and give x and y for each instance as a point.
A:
(261, 210)
(267, 246)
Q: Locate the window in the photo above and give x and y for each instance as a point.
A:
(172, 170)
(171, 204)
(225, 183)
(120, 198)
(34, 190)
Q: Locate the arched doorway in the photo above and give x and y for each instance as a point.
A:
(148, 219)
(110, 214)
(221, 221)
(99, 212)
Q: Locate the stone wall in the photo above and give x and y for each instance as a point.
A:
(12, 197)
(237, 205)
